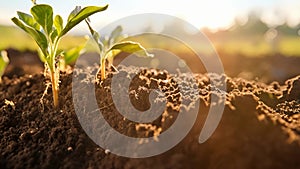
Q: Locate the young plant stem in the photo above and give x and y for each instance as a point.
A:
(54, 82)
(103, 74)
(54, 72)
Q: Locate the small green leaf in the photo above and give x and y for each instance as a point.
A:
(3, 62)
(71, 55)
(38, 36)
(58, 23)
(43, 14)
(28, 20)
(115, 34)
(131, 47)
(74, 12)
(54, 35)
(95, 36)
(80, 16)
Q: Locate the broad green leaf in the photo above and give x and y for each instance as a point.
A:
(28, 20)
(38, 36)
(115, 34)
(3, 62)
(71, 55)
(80, 16)
(58, 23)
(131, 47)
(74, 12)
(43, 14)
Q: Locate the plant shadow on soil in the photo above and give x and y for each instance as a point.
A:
(259, 128)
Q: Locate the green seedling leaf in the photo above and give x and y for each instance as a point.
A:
(38, 36)
(74, 12)
(80, 16)
(28, 20)
(3, 62)
(42, 56)
(54, 36)
(109, 48)
(43, 14)
(58, 23)
(95, 36)
(72, 55)
(131, 47)
(115, 34)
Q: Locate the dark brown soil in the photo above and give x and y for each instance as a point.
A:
(23, 62)
(259, 129)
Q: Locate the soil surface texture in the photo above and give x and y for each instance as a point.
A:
(259, 129)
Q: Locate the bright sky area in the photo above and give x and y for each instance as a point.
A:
(201, 13)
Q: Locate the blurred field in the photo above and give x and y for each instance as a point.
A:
(241, 40)
(13, 37)
(256, 46)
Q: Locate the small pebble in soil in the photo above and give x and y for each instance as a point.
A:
(32, 131)
(10, 103)
(107, 151)
(70, 149)
(24, 136)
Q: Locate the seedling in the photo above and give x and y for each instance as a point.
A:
(47, 32)
(3, 63)
(109, 48)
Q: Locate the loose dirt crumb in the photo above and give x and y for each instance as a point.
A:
(10, 103)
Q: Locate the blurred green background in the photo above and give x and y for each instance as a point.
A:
(253, 38)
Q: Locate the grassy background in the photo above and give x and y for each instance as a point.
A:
(234, 42)
(257, 47)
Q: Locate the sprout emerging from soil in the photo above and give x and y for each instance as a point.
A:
(111, 47)
(3, 63)
(47, 32)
